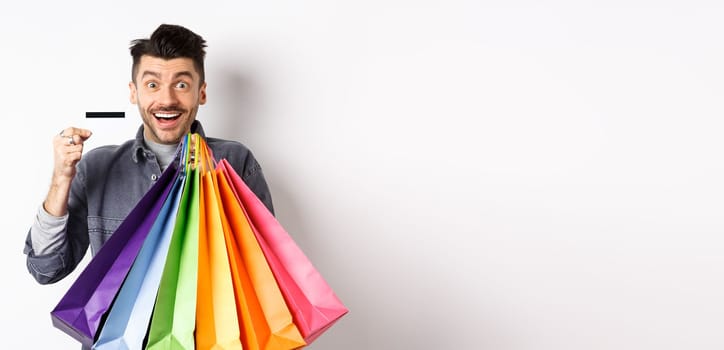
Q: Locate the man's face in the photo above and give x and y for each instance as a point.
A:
(168, 94)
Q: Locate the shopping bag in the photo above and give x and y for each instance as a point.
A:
(174, 314)
(129, 316)
(265, 317)
(217, 324)
(313, 304)
(80, 311)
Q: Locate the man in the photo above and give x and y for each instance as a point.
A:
(91, 194)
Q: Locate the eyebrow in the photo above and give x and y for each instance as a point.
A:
(175, 76)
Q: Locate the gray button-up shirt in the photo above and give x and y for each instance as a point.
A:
(110, 180)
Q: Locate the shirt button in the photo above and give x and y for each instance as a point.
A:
(154, 177)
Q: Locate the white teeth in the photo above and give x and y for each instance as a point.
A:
(165, 116)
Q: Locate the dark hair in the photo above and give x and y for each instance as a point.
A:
(170, 41)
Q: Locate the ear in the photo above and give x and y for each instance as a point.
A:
(202, 94)
(132, 97)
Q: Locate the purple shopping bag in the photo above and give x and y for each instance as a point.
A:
(80, 312)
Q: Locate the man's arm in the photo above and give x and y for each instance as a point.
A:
(50, 256)
(254, 178)
(67, 151)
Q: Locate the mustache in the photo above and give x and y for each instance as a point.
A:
(173, 108)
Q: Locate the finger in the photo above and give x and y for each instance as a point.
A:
(75, 153)
(64, 141)
(72, 153)
(71, 131)
(73, 148)
(72, 140)
(62, 145)
(72, 158)
(60, 141)
(83, 133)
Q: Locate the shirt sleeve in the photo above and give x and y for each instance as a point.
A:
(55, 245)
(47, 234)
(254, 178)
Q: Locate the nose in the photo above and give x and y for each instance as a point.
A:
(167, 96)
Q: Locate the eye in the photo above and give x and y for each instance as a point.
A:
(151, 85)
(182, 85)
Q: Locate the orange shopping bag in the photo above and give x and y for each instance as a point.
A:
(266, 320)
(313, 304)
(217, 324)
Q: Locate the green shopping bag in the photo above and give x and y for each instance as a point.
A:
(174, 315)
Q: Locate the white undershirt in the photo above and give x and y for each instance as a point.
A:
(165, 154)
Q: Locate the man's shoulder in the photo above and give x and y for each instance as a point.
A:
(224, 148)
(215, 141)
(237, 154)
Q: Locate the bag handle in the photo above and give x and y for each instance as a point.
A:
(196, 153)
(186, 159)
(202, 154)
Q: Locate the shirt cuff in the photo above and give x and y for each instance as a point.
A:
(48, 232)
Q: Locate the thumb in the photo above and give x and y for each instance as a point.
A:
(84, 133)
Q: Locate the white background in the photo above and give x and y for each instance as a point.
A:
(465, 174)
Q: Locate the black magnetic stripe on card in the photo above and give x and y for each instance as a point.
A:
(105, 114)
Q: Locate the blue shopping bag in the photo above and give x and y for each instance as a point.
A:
(130, 314)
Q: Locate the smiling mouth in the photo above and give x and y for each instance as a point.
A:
(167, 116)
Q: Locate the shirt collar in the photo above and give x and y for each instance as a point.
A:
(139, 148)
